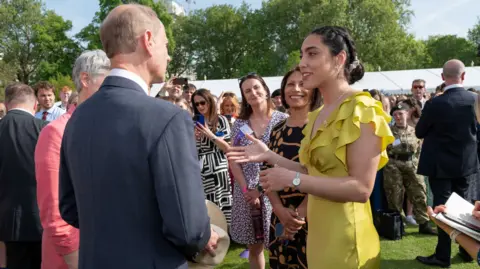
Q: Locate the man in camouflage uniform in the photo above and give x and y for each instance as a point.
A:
(400, 174)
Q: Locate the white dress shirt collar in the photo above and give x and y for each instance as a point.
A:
(50, 110)
(453, 86)
(117, 72)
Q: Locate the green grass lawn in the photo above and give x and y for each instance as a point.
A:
(395, 254)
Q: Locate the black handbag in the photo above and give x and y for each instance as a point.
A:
(389, 224)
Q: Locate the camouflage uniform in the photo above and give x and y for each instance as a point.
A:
(401, 174)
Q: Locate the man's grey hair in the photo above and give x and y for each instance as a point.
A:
(92, 62)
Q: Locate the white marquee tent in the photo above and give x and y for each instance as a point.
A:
(386, 81)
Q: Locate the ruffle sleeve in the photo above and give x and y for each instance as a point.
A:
(344, 127)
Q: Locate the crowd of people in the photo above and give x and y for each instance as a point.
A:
(109, 177)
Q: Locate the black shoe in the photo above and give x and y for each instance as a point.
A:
(465, 256)
(432, 260)
(425, 228)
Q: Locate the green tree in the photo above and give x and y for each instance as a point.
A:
(33, 39)
(90, 35)
(59, 50)
(60, 81)
(7, 75)
(443, 48)
(217, 40)
(182, 56)
(474, 33)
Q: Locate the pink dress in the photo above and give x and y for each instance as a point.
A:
(59, 238)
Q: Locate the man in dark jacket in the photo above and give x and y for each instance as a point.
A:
(449, 157)
(20, 226)
(129, 173)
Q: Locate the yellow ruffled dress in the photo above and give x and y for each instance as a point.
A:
(342, 235)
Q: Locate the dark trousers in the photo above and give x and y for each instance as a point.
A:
(24, 255)
(442, 188)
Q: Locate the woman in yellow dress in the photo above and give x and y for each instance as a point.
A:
(344, 146)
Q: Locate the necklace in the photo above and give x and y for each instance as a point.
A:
(324, 123)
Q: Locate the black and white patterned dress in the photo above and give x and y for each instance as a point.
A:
(215, 176)
(241, 229)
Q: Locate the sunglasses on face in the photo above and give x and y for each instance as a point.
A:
(418, 87)
(229, 94)
(200, 103)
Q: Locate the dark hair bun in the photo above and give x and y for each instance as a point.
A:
(356, 73)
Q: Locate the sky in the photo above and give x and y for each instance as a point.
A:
(432, 17)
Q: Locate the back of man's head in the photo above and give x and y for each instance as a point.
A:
(122, 27)
(88, 66)
(453, 72)
(19, 95)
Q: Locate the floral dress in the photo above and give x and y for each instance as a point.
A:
(242, 227)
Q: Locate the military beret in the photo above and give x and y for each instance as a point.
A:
(400, 106)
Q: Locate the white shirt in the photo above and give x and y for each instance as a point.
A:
(52, 114)
(117, 72)
(60, 105)
(453, 86)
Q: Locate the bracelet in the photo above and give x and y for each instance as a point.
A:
(278, 159)
(454, 234)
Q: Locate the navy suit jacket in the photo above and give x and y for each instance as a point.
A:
(130, 181)
(448, 126)
(19, 215)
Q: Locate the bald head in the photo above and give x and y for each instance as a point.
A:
(453, 69)
(123, 26)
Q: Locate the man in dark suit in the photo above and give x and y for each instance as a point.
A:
(449, 153)
(20, 226)
(129, 173)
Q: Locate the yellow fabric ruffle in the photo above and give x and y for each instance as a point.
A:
(354, 110)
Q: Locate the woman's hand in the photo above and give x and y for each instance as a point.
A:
(169, 83)
(289, 219)
(251, 196)
(256, 152)
(276, 179)
(302, 210)
(204, 131)
(198, 134)
(476, 210)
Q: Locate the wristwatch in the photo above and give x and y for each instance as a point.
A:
(296, 180)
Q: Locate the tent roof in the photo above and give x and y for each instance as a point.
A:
(387, 81)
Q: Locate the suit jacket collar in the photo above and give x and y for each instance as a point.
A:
(121, 82)
(452, 90)
(19, 112)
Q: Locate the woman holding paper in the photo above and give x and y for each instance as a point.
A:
(471, 245)
(257, 117)
(344, 146)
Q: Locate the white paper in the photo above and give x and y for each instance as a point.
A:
(246, 129)
(462, 209)
(396, 142)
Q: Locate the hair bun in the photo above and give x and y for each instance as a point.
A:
(356, 73)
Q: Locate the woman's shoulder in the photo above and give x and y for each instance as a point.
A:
(239, 123)
(279, 116)
(279, 125)
(360, 105)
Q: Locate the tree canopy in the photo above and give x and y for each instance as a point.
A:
(225, 41)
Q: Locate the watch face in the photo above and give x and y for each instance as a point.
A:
(296, 181)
